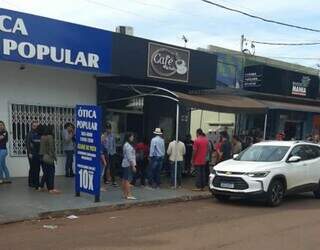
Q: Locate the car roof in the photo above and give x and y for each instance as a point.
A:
(285, 143)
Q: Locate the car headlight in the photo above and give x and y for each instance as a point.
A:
(258, 174)
(213, 171)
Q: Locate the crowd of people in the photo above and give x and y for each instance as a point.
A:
(140, 160)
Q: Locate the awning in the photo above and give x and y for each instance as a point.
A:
(291, 106)
(223, 103)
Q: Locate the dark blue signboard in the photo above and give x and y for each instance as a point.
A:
(88, 144)
(33, 39)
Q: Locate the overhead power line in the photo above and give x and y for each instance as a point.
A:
(260, 18)
(296, 58)
(286, 44)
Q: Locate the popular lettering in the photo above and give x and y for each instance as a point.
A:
(28, 50)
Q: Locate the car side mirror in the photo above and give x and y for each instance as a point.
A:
(235, 156)
(293, 159)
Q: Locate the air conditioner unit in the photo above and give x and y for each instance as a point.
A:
(126, 30)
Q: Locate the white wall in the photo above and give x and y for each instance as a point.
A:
(207, 118)
(43, 86)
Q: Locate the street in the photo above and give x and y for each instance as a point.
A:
(205, 224)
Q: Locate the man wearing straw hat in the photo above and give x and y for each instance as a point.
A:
(157, 152)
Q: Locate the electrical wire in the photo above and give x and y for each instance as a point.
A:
(285, 44)
(260, 18)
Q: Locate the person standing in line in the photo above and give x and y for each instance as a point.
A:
(103, 164)
(176, 151)
(68, 147)
(226, 148)
(48, 154)
(157, 153)
(128, 166)
(111, 150)
(199, 159)
(188, 157)
(33, 147)
(236, 145)
(4, 172)
(142, 153)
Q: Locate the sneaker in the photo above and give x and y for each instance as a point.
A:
(131, 198)
(1, 181)
(115, 184)
(54, 191)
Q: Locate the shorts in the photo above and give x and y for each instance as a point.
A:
(126, 174)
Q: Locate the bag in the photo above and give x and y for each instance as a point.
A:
(47, 159)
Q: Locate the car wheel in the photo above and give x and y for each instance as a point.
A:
(221, 197)
(275, 193)
(317, 192)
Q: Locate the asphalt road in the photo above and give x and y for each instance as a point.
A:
(205, 224)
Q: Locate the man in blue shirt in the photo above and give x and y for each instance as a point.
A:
(157, 152)
(110, 150)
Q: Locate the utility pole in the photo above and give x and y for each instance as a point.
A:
(242, 42)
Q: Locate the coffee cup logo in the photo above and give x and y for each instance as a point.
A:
(169, 63)
(181, 67)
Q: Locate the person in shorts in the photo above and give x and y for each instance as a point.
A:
(128, 166)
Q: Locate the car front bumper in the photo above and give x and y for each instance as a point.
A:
(255, 186)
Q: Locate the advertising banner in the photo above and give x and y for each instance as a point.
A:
(88, 146)
(26, 38)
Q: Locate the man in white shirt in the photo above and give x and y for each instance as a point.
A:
(176, 151)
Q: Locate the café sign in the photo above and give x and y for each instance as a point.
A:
(169, 63)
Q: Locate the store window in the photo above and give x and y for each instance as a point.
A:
(21, 117)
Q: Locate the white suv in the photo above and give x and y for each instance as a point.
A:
(269, 170)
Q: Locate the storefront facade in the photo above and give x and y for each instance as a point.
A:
(48, 66)
(291, 98)
(143, 62)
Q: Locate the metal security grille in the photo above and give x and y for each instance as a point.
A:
(21, 117)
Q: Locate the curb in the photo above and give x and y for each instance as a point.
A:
(110, 208)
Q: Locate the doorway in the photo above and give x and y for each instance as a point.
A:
(293, 130)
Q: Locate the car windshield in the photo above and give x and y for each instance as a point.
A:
(263, 153)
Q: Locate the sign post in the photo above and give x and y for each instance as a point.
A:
(88, 143)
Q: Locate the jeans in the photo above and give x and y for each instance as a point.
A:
(111, 164)
(48, 176)
(200, 176)
(69, 162)
(3, 166)
(34, 171)
(179, 172)
(155, 169)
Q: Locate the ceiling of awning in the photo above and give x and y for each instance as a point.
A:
(223, 103)
(291, 106)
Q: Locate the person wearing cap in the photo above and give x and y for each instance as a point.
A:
(109, 147)
(157, 153)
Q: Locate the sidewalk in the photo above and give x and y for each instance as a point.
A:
(19, 202)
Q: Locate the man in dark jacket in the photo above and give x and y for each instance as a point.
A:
(33, 147)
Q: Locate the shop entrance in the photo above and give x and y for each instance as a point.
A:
(293, 130)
